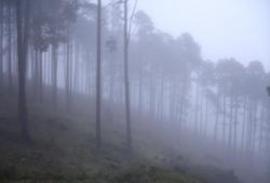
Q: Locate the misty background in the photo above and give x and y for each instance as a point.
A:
(135, 91)
(227, 27)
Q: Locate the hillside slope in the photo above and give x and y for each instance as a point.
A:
(63, 150)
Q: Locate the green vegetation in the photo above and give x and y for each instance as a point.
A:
(62, 151)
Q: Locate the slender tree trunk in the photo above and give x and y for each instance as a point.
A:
(71, 60)
(112, 85)
(98, 78)
(249, 127)
(77, 79)
(33, 62)
(201, 112)
(197, 101)
(161, 103)
(268, 135)
(126, 74)
(36, 74)
(1, 40)
(261, 127)
(224, 119)
(67, 81)
(206, 111)
(140, 94)
(40, 72)
(54, 73)
(244, 124)
(235, 123)
(254, 127)
(9, 27)
(231, 123)
(217, 117)
(22, 18)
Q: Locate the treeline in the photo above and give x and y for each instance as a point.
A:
(113, 53)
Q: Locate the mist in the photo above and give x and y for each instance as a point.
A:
(134, 91)
(223, 28)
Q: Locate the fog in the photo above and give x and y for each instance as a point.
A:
(135, 91)
(226, 27)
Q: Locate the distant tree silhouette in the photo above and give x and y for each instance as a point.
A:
(98, 76)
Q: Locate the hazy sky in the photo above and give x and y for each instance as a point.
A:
(223, 28)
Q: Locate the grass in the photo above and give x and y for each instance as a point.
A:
(63, 150)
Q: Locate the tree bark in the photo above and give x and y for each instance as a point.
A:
(98, 78)
(54, 72)
(1, 40)
(22, 18)
(9, 29)
(126, 75)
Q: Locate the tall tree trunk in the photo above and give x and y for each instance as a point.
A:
(67, 81)
(77, 65)
(1, 40)
(231, 123)
(224, 119)
(9, 27)
(206, 110)
(98, 78)
(140, 103)
(217, 116)
(40, 72)
(54, 72)
(235, 123)
(249, 126)
(22, 20)
(126, 75)
(196, 108)
(244, 125)
(36, 74)
(263, 113)
(254, 127)
(201, 112)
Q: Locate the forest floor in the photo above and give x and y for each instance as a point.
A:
(63, 150)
